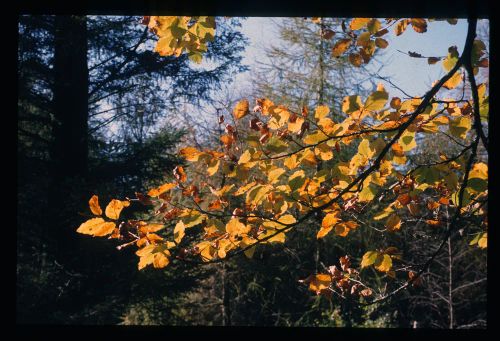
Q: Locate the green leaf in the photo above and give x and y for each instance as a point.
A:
(351, 103)
(376, 101)
(275, 145)
(195, 57)
(460, 126)
(407, 140)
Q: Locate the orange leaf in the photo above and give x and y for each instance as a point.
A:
(94, 205)
(190, 153)
(320, 282)
(96, 227)
(159, 190)
(340, 47)
(114, 208)
(241, 109)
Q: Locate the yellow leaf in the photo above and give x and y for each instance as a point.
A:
(483, 241)
(479, 170)
(407, 140)
(245, 242)
(190, 153)
(149, 228)
(160, 259)
(145, 261)
(291, 162)
(241, 109)
(295, 126)
(324, 152)
(454, 81)
(358, 23)
(162, 189)
(315, 138)
(287, 219)
(460, 126)
(383, 263)
(96, 227)
(235, 228)
(377, 100)
(115, 207)
(321, 111)
(179, 231)
(245, 188)
(213, 167)
(207, 251)
(223, 246)
(94, 205)
(369, 258)
(245, 157)
(340, 47)
(274, 175)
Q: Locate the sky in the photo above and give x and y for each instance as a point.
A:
(413, 75)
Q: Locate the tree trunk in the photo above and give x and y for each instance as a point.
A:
(69, 147)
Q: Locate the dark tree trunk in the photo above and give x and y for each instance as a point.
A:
(70, 147)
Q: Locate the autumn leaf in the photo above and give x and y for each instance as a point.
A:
(96, 227)
(401, 27)
(179, 231)
(355, 59)
(190, 154)
(241, 109)
(320, 282)
(340, 47)
(358, 23)
(382, 43)
(393, 223)
(179, 174)
(383, 263)
(94, 205)
(162, 189)
(114, 208)
(419, 25)
(454, 81)
(369, 258)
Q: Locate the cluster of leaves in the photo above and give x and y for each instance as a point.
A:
(182, 34)
(285, 168)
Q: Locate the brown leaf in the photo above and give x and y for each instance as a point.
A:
(340, 47)
(345, 262)
(433, 60)
(382, 43)
(327, 34)
(143, 199)
(404, 199)
(355, 59)
(401, 27)
(179, 174)
(419, 25)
